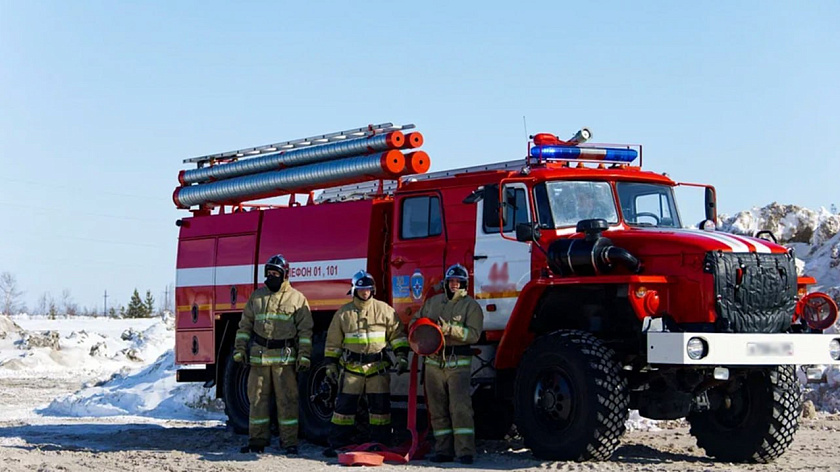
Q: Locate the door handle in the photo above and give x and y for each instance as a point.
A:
(397, 262)
(479, 256)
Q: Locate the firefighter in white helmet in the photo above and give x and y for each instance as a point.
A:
(275, 338)
(356, 341)
(447, 373)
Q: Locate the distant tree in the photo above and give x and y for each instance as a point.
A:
(69, 307)
(136, 307)
(122, 311)
(149, 303)
(43, 304)
(10, 303)
(52, 310)
(112, 312)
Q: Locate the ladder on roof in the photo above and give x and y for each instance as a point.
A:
(370, 189)
(354, 133)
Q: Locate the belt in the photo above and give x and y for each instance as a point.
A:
(364, 358)
(273, 343)
(457, 351)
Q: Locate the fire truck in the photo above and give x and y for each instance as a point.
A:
(597, 297)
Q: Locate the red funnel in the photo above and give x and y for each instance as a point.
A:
(425, 337)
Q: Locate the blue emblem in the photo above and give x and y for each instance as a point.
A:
(417, 285)
(400, 287)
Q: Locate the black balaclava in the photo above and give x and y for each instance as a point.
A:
(273, 282)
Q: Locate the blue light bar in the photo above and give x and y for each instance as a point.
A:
(587, 153)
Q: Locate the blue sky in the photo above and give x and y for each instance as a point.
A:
(101, 101)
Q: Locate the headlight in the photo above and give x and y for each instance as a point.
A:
(696, 348)
(834, 349)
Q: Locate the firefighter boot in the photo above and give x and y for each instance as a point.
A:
(250, 448)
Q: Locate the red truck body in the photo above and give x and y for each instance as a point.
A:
(646, 274)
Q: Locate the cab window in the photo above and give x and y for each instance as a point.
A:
(420, 217)
(515, 209)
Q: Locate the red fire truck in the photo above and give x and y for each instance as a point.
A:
(596, 298)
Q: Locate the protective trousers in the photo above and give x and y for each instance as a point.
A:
(450, 408)
(351, 388)
(280, 379)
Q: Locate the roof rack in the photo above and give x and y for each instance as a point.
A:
(302, 142)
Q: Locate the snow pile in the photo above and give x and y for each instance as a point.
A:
(150, 392)
(67, 351)
(126, 367)
(814, 236)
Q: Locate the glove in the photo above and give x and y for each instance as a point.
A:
(239, 356)
(302, 364)
(402, 364)
(445, 327)
(332, 372)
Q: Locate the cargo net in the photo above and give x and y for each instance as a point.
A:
(374, 155)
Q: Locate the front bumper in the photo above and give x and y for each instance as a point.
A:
(727, 349)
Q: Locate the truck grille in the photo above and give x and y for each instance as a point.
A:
(756, 293)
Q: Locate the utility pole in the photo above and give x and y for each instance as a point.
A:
(105, 313)
(166, 299)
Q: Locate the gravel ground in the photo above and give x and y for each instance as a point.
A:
(38, 443)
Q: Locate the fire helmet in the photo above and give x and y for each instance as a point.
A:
(457, 272)
(362, 279)
(279, 263)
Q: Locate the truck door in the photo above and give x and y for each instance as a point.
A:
(418, 251)
(502, 266)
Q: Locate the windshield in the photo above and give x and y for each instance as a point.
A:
(648, 204)
(564, 203)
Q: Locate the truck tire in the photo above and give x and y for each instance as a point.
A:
(756, 422)
(237, 405)
(570, 398)
(317, 399)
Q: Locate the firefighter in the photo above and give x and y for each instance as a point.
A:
(447, 373)
(275, 338)
(355, 347)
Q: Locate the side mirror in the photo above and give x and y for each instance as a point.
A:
(474, 197)
(707, 225)
(767, 236)
(527, 232)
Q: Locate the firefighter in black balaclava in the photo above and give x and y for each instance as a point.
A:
(356, 341)
(447, 373)
(277, 325)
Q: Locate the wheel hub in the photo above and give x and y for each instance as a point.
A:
(553, 398)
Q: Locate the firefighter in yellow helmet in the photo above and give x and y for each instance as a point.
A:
(447, 373)
(356, 341)
(275, 338)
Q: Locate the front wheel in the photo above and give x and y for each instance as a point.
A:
(753, 419)
(570, 398)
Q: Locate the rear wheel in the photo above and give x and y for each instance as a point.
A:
(237, 405)
(570, 398)
(754, 419)
(317, 397)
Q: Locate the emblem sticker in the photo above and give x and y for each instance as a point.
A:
(400, 287)
(417, 281)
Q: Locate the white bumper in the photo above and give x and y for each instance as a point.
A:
(726, 349)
